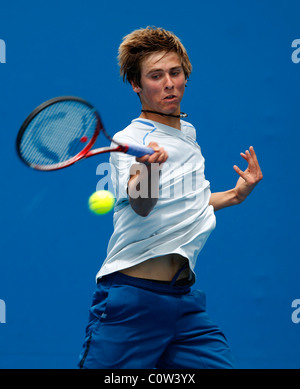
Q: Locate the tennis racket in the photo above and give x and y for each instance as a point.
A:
(62, 131)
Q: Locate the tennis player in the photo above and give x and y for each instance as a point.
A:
(144, 312)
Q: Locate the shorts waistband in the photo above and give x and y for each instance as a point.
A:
(164, 287)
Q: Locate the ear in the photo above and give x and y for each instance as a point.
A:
(136, 88)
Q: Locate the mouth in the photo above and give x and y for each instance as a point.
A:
(170, 97)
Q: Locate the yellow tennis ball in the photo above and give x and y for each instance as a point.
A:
(101, 202)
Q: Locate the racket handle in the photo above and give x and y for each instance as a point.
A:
(139, 151)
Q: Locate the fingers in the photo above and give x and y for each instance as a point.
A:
(253, 171)
(240, 172)
(249, 155)
(159, 156)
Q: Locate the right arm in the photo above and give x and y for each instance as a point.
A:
(143, 183)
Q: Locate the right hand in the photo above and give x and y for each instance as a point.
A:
(160, 156)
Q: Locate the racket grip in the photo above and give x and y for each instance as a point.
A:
(139, 151)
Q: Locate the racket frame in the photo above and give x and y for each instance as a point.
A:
(84, 153)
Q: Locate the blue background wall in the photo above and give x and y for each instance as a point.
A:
(244, 90)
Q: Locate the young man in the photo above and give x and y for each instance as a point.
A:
(144, 313)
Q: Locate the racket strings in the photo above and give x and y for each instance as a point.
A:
(58, 133)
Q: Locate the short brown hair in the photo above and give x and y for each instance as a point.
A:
(142, 42)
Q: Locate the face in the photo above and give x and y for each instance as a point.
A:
(162, 83)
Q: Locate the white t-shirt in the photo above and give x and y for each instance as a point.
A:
(182, 219)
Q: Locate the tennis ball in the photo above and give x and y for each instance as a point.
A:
(101, 202)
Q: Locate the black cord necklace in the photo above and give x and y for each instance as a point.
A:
(182, 114)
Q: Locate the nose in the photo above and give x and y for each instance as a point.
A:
(169, 82)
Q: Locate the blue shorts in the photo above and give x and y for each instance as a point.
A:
(143, 324)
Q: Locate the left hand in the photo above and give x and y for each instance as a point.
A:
(248, 178)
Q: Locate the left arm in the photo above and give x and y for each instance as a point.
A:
(247, 181)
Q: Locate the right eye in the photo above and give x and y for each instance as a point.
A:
(155, 76)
